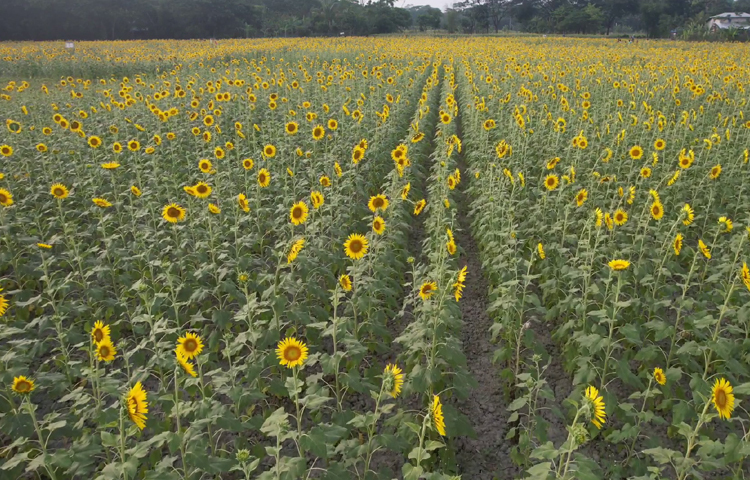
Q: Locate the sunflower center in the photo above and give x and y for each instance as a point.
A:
(3, 198)
(377, 203)
(98, 335)
(292, 353)
(355, 246)
(202, 189)
(377, 225)
(269, 151)
(173, 212)
(23, 386)
(427, 289)
(104, 351)
(58, 192)
(721, 398)
(190, 345)
(134, 405)
(297, 212)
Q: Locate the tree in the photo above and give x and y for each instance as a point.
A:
(429, 17)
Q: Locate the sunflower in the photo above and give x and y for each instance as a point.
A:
(105, 350)
(689, 214)
(636, 152)
(355, 246)
(41, 147)
(117, 147)
(677, 243)
(417, 138)
(459, 285)
(598, 216)
(110, 165)
(291, 128)
(419, 206)
(248, 164)
(243, 203)
(22, 385)
(427, 289)
(393, 380)
(291, 352)
(551, 182)
(269, 151)
(715, 172)
(208, 120)
(173, 213)
(205, 166)
(645, 172)
(657, 210)
(346, 282)
(686, 160)
(337, 169)
(6, 150)
(618, 264)
(213, 208)
(59, 191)
(704, 249)
(317, 199)
(318, 132)
(101, 202)
(445, 118)
(137, 405)
(95, 142)
(6, 198)
(325, 181)
(45, 246)
(744, 274)
(727, 222)
(620, 217)
(134, 145)
(378, 202)
(660, 144)
(405, 191)
(659, 376)
(185, 364)
(298, 213)
(438, 421)
(596, 402)
(297, 247)
(581, 196)
(189, 346)
(3, 304)
(135, 191)
(540, 249)
(264, 178)
(202, 190)
(489, 124)
(357, 155)
(723, 398)
(378, 225)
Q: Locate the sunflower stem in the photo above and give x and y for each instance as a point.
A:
(371, 430)
(683, 471)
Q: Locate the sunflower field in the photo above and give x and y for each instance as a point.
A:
(374, 258)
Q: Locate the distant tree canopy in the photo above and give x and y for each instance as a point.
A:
(142, 19)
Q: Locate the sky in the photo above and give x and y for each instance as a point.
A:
(441, 4)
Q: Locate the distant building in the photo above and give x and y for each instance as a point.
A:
(724, 21)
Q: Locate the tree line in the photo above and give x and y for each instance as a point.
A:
(148, 19)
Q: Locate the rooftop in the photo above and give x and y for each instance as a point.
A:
(732, 15)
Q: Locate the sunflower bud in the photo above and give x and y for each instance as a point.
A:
(242, 455)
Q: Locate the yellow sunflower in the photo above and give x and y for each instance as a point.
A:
(134, 145)
(393, 380)
(59, 191)
(427, 290)
(6, 198)
(438, 421)
(291, 128)
(135, 191)
(723, 398)
(540, 249)
(318, 132)
(659, 376)
(677, 244)
(137, 405)
(405, 191)
(101, 202)
(269, 151)
(205, 166)
(636, 152)
(458, 287)
(264, 178)
(325, 181)
(715, 172)
(551, 182)
(618, 264)
(105, 350)
(660, 144)
(704, 249)
(95, 142)
(596, 402)
(22, 385)
(727, 222)
(173, 213)
(657, 210)
(317, 199)
(291, 352)
(213, 208)
(100, 331)
(419, 206)
(202, 190)
(378, 225)
(355, 246)
(378, 202)
(110, 165)
(346, 282)
(248, 164)
(298, 213)
(581, 196)
(744, 274)
(620, 217)
(297, 247)
(190, 346)
(6, 150)
(185, 364)
(689, 214)
(645, 172)
(243, 203)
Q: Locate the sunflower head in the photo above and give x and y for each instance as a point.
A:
(427, 290)
(723, 398)
(659, 376)
(355, 246)
(291, 352)
(298, 213)
(59, 191)
(105, 350)
(596, 407)
(22, 385)
(100, 331)
(173, 213)
(618, 264)
(269, 151)
(190, 345)
(137, 405)
(436, 414)
(393, 380)
(264, 178)
(346, 282)
(551, 182)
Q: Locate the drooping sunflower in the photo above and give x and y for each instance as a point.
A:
(269, 151)
(110, 165)
(427, 290)
(317, 199)
(135, 191)
(677, 244)
(419, 206)
(618, 264)
(213, 208)
(636, 152)
(298, 213)
(657, 210)
(689, 213)
(45, 246)
(378, 202)
(337, 169)
(715, 172)
(598, 415)
(100, 331)
(355, 246)
(744, 274)
(173, 213)
(3, 304)
(59, 191)
(297, 247)
(598, 217)
(346, 282)
(291, 352)
(105, 350)
(620, 217)
(659, 376)
(137, 405)
(581, 196)
(727, 222)
(248, 164)
(202, 190)
(393, 380)
(723, 398)
(264, 178)
(540, 250)
(551, 182)
(190, 345)
(378, 225)
(6, 198)
(405, 191)
(185, 364)
(101, 202)
(243, 203)
(489, 124)
(704, 249)
(22, 385)
(438, 421)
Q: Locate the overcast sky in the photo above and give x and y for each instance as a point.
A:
(441, 4)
